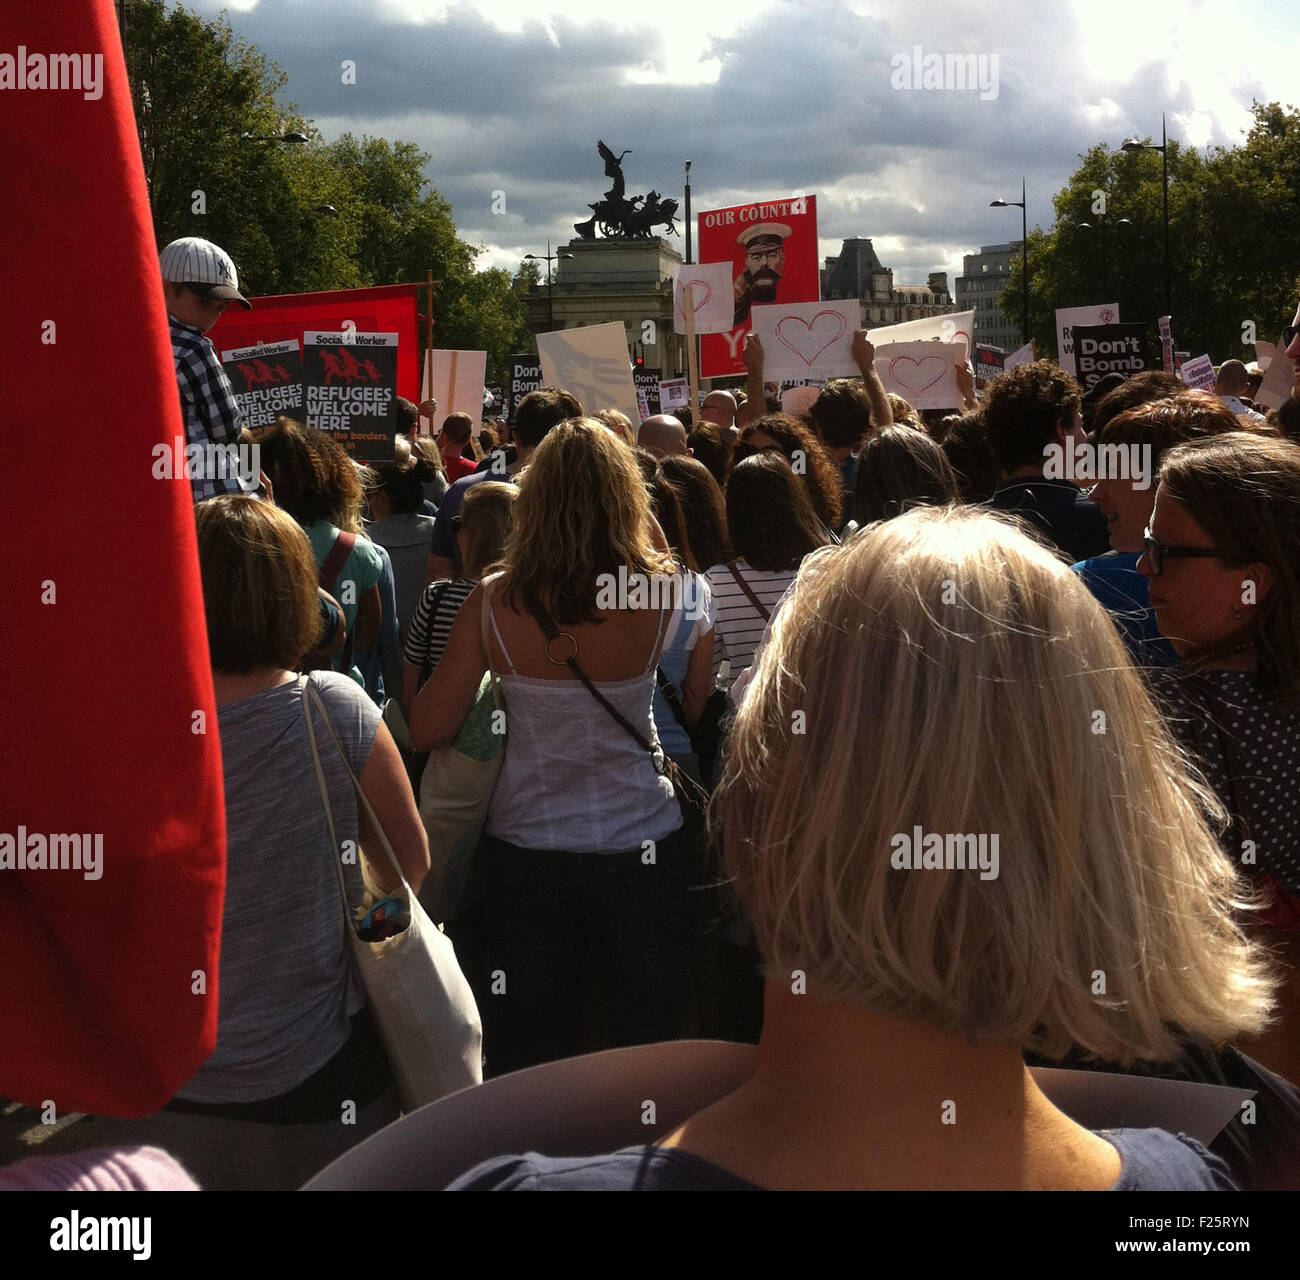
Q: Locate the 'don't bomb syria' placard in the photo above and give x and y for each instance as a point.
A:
(350, 386)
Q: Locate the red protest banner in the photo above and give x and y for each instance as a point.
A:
(772, 248)
(389, 308)
(112, 842)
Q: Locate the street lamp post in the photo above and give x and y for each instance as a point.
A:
(548, 257)
(688, 212)
(1024, 256)
(1136, 144)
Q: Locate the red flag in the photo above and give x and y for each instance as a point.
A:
(389, 308)
(108, 717)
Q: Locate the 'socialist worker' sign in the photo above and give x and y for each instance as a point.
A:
(350, 380)
(1107, 348)
(267, 381)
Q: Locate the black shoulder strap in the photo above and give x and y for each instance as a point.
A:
(672, 696)
(439, 591)
(764, 612)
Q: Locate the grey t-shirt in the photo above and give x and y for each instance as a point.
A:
(287, 983)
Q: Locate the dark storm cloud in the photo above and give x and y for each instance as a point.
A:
(803, 101)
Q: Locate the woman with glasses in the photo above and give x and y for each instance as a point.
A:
(1147, 432)
(1222, 555)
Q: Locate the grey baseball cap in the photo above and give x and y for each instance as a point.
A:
(204, 267)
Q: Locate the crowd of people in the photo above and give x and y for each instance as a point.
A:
(878, 633)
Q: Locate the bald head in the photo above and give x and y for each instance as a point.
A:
(1233, 380)
(663, 436)
(719, 408)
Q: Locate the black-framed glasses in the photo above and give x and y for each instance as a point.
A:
(1289, 334)
(1158, 552)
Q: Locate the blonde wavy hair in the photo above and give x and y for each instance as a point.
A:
(955, 676)
(582, 511)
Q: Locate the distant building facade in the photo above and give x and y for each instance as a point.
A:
(857, 272)
(984, 276)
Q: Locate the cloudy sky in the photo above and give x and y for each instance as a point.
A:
(771, 97)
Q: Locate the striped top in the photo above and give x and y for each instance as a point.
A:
(432, 622)
(739, 625)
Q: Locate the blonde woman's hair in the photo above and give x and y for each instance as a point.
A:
(485, 522)
(619, 423)
(582, 511)
(954, 676)
(424, 447)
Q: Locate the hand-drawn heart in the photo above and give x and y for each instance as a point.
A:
(923, 374)
(699, 284)
(813, 333)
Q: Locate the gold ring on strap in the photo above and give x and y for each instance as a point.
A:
(562, 662)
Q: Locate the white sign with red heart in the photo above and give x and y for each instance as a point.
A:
(807, 339)
(923, 373)
(711, 296)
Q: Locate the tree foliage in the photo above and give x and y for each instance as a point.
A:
(1234, 254)
(298, 218)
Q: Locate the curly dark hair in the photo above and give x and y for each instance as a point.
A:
(1022, 410)
(311, 475)
(805, 454)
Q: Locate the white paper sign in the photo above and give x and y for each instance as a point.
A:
(1068, 317)
(592, 364)
(673, 393)
(1021, 355)
(1198, 374)
(807, 339)
(711, 294)
(1264, 354)
(1275, 390)
(957, 327)
(798, 401)
(923, 373)
(458, 378)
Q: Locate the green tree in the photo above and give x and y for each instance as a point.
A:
(1233, 250)
(297, 218)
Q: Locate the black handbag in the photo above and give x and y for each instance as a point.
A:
(707, 732)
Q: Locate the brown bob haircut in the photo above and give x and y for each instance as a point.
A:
(259, 585)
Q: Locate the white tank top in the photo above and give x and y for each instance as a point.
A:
(573, 778)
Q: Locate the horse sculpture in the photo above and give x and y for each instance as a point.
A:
(616, 216)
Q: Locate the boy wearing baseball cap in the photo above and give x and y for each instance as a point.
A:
(199, 283)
